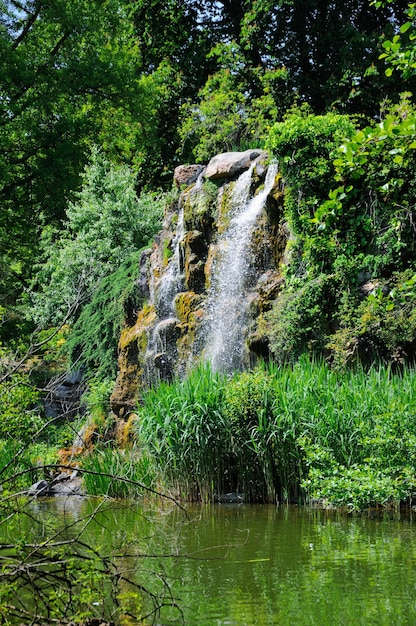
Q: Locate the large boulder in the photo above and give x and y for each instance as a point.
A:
(187, 174)
(231, 164)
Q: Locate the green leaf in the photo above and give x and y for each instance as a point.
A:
(405, 27)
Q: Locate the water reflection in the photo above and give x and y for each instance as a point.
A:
(249, 564)
(293, 566)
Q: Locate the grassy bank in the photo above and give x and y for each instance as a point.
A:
(287, 434)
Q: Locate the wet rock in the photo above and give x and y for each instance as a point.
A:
(68, 487)
(195, 253)
(65, 484)
(41, 488)
(170, 334)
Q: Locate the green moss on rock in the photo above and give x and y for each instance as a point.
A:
(132, 345)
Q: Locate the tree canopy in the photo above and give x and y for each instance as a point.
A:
(158, 83)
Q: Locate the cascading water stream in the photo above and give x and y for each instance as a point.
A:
(170, 283)
(159, 357)
(163, 296)
(226, 301)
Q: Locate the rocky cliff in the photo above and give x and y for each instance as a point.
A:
(228, 216)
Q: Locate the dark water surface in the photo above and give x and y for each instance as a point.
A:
(257, 565)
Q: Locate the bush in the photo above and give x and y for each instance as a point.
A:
(20, 409)
(381, 327)
(349, 202)
(305, 147)
(301, 319)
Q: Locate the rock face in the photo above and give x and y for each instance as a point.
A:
(64, 394)
(175, 328)
(228, 164)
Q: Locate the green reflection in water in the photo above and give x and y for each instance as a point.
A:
(258, 565)
(294, 566)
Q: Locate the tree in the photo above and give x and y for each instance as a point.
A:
(352, 216)
(327, 48)
(236, 107)
(400, 52)
(104, 227)
(69, 77)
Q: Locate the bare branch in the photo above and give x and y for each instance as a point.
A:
(30, 21)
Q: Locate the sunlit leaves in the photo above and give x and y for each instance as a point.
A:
(106, 225)
(400, 51)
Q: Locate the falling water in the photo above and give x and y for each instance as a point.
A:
(160, 355)
(171, 281)
(227, 302)
(157, 359)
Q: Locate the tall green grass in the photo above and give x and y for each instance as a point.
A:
(183, 429)
(286, 433)
(116, 473)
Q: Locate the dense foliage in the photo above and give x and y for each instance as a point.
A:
(350, 204)
(152, 83)
(288, 434)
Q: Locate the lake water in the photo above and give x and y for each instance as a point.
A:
(247, 565)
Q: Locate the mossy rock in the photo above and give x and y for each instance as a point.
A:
(224, 207)
(200, 208)
(189, 309)
(186, 303)
(144, 321)
(133, 344)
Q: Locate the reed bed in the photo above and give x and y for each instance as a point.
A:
(117, 473)
(183, 429)
(286, 433)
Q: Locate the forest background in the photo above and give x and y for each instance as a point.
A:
(101, 100)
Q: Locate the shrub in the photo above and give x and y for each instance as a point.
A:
(382, 326)
(20, 409)
(305, 147)
(301, 319)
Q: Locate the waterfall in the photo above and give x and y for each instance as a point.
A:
(227, 302)
(172, 278)
(158, 357)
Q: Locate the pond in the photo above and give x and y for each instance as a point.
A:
(258, 565)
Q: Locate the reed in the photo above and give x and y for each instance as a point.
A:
(116, 473)
(183, 429)
(284, 432)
